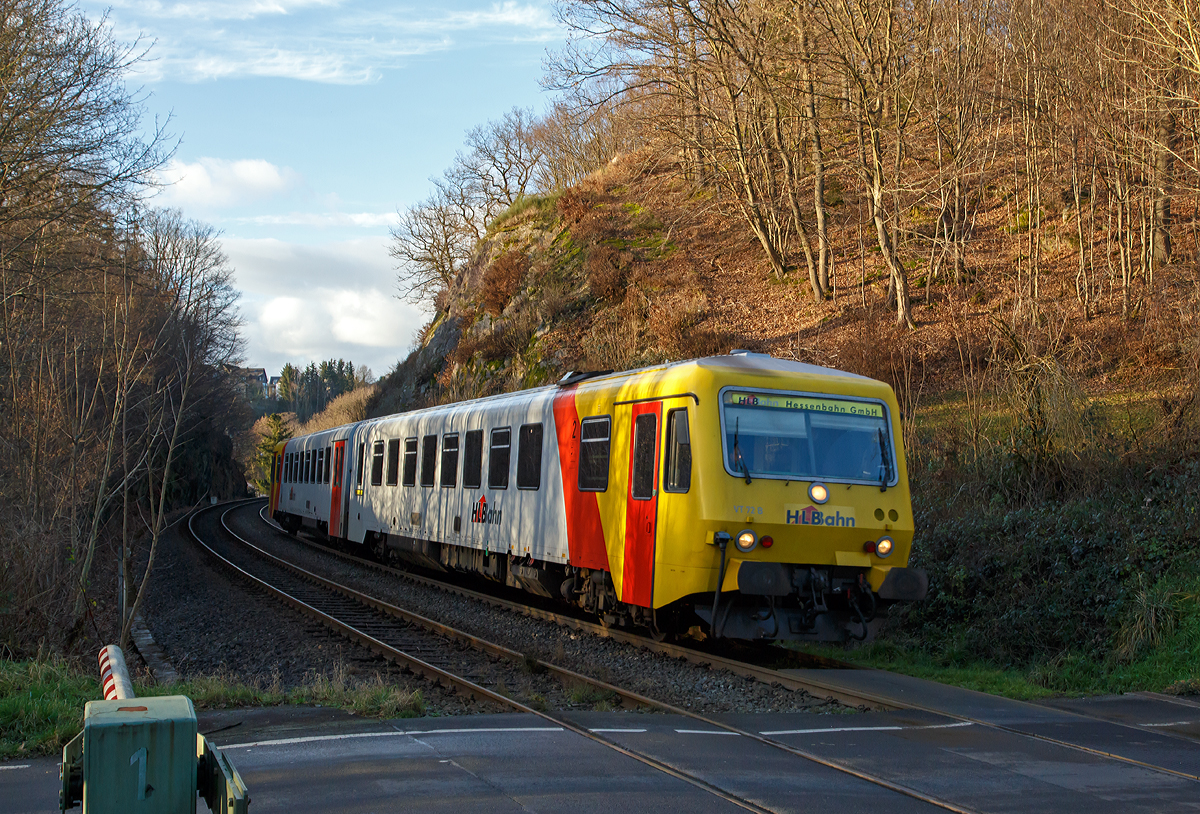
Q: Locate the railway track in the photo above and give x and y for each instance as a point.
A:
(419, 644)
(827, 690)
(823, 689)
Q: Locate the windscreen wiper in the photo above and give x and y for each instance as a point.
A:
(886, 461)
(737, 451)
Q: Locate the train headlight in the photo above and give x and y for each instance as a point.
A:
(818, 493)
(746, 541)
(883, 546)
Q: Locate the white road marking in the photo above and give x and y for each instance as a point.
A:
(10, 768)
(705, 732)
(392, 734)
(1174, 723)
(864, 729)
(616, 730)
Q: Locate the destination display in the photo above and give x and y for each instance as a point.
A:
(817, 405)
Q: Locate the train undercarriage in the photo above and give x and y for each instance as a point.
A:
(775, 601)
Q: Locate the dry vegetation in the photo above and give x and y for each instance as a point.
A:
(911, 192)
(117, 331)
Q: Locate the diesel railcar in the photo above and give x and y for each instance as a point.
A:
(752, 497)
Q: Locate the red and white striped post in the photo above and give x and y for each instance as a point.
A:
(114, 675)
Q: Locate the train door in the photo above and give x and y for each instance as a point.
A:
(641, 513)
(335, 501)
(276, 477)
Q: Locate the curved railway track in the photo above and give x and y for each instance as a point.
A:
(365, 620)
(821, 689)
(393, 633)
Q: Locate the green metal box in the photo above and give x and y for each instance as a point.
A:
(139, 756)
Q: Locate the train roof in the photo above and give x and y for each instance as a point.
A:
(735, 361)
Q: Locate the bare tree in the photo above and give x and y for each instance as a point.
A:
(429, 243)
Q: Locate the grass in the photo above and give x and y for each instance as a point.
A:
(41, 702)
(1160, 631)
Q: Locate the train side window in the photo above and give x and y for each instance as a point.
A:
(450, 460)
(377, 464)
(308, 456)
(287, 467)
(594, 442)
(393, 462)
(473, 460)
(498, 458)
(428, 459)
(291, 467)
(645, 439)
(678, 467)
(361, 459)
(328, 463)
(529, 457)
(318, 465)
(410, 461)
(339, 463)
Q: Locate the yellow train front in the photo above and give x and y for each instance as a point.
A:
(753, 497)
(782, 482)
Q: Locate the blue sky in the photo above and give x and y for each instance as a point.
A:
(304, 125)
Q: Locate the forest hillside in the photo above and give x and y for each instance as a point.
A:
(1052, 439)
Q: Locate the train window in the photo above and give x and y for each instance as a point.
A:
(678, 468)
(594, 441)
(797, 437)
(328, 463)
(287, 467)
(645, 440)
(529, 457)
(473, 460)
(308, 466)
(291, 467)
(339, 463)
(361, 458)
(428, 459)
(410, 461)
(377, 464)
(449, 460)
(319, 475)
(498, 457)
(393, 462)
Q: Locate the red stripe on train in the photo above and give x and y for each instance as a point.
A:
(585, 532)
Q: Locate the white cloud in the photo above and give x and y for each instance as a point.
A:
(368, 318)
(362, 220)
(306, 303)
(217, 183)
(235, 10)
(312, 40)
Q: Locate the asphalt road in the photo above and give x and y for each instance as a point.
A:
(320, 760)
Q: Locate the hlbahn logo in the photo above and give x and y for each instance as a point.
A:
(842, 516)
(482, 514)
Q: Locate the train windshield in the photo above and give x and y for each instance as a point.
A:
(800, 437)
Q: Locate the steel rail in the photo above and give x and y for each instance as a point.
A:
(627, 695)
(764, 674)
(452, 681)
